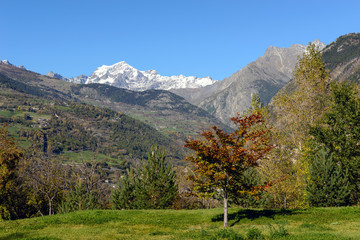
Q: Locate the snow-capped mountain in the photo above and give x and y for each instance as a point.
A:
(8, 63)
(125, 76)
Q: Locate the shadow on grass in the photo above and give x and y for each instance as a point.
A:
(13, 236)
(252, 214)
(24, 236)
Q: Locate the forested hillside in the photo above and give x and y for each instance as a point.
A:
(59, 124)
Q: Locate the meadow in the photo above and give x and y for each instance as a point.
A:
(313, 223)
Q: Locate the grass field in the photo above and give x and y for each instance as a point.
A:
(314, 223)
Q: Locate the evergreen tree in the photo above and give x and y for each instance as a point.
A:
(79, 199)
(155, 185)
(152, 185)
(329, 183)
(123, 196)
(340, 132)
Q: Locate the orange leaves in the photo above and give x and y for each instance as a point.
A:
(221, 158)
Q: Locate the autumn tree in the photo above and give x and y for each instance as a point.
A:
(298, 106)
(48, 179)
(10, 155)
(304, 105)
(222, 158)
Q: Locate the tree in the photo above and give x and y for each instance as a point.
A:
(298, 106)
(123, 197)
(329, 184)
(10, 155)
(48, 179)
(339, 132)
(78, 199)
(222, 158)
(305, 104)
(155, 185)
(152, 185)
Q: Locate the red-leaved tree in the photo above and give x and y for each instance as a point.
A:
(222, 158)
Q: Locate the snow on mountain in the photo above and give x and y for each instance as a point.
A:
(8, 63)
(125, 76)
(80, 79)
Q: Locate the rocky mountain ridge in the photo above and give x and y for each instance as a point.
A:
(265, 76)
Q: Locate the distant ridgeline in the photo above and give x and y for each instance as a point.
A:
(57, 123)
(342, 58)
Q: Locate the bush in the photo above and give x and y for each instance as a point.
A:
(254, 233)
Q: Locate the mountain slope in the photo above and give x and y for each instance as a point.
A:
(342, 58)
(265, 76)
(60, 124)
(166, 112)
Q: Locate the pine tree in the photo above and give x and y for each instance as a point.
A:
(123, 196)
(329, 183)
(155, 185)
(339, 132)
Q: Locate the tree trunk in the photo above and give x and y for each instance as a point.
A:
(50, 207)
(225, 211)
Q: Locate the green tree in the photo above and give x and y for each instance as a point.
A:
(328, 184)
(79, 199)
(339, 131)
(123, 197)
(221, 158)
(152, 185)
(155, 183)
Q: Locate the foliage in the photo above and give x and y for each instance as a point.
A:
(221, 158)
(296, 111)
(152, 186)
(278, 233)
(339, 132)
(303, 107)
(289, 176)
(11, 195)
(47, 180)
(123, 197)
(155, 185)
(79, 199)
(329, 182)
(254, 233)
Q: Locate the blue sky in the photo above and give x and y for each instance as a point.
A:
(190, 37)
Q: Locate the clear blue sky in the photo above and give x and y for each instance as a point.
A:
(190, 37)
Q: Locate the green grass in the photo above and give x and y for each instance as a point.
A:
(9, 114)
(78, 157)
(315, 223)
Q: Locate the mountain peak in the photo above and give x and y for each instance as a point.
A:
(319, 44)
(6, 62)
(123, 75)
(56, 75)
